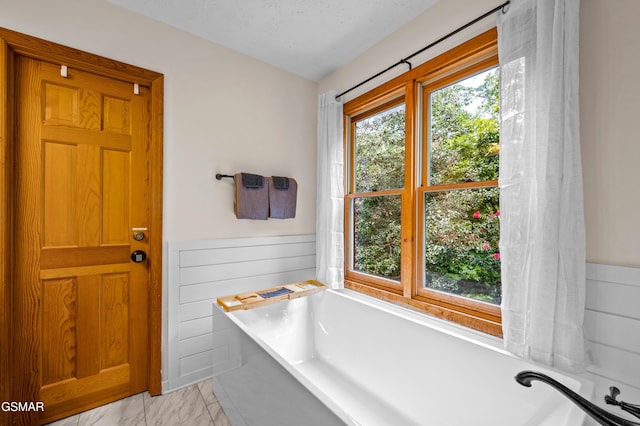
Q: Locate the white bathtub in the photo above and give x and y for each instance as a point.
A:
(372, 363)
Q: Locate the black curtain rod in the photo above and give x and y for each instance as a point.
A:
(219, 176)
(440, 40)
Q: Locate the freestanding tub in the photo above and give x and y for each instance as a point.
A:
(367, 362)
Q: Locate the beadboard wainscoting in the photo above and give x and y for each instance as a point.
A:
(612, 327)
(202, 270)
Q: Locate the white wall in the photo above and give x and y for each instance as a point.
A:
(224, 112)
(609, 94)
(438, 20)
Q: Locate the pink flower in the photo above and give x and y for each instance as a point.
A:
(496, 255)
(476, 215)
(498, 213)
(485, 246)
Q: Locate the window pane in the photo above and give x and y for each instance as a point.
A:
(377, 236)
(462, 230)
(464, 131)
(379, 151)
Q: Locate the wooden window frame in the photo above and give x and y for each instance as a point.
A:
(468, 58)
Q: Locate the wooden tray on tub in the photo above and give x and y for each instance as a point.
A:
(254, 299)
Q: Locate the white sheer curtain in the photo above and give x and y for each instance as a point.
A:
(542, 241)
(330, 193)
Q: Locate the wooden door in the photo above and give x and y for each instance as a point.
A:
(81, 191)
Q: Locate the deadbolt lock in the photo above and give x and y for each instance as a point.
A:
(138, 236)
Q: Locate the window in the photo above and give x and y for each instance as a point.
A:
(379, 157)
(422, 205)
(460, 195)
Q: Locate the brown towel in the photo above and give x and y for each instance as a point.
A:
(282, 202)
(250, 202)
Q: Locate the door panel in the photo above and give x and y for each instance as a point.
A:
(82, 185)
(59, 300)
(115, 197)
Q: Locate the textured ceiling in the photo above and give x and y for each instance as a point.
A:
(311, 38)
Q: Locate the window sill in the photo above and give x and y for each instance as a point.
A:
(469, 320)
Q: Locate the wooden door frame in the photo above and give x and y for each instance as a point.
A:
(13, 43)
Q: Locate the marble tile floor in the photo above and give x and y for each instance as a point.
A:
(194, 405)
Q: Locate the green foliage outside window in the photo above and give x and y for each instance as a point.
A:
(379, 163)
(380, 151)
(377, 236)
(461, 243)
